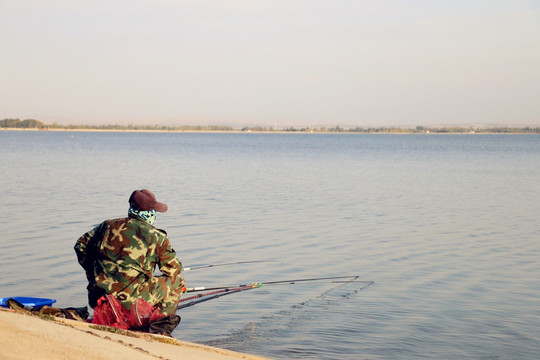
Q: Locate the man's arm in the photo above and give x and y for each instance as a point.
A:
(86, 249)
(168, 262)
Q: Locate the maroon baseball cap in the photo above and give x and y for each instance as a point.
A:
(145, 200)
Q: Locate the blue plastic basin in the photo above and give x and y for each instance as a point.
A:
(28, 301)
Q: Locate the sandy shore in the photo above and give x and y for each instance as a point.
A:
(24, 336)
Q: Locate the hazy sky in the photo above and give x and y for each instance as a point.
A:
(275, 62)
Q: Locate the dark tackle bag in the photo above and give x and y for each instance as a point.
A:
(165, 325)
(72, 313)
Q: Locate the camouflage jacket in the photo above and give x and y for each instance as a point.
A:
(120, 257)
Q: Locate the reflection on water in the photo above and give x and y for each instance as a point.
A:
(445, 226)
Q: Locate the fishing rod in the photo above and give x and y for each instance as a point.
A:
(225, 264)
(216, 294)
(280, 282)
(218, 291)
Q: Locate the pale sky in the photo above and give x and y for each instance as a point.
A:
(271, 63)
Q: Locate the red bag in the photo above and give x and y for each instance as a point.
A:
(142, 314)
(110, 312)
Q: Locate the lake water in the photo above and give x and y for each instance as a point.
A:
(446, 226)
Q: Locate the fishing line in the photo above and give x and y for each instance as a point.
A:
(285, 321)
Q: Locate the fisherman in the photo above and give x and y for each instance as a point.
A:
(120, 256)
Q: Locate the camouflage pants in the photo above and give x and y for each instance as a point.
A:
(164, 293)
(160, 291)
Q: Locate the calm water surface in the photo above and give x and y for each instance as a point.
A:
(446, 227)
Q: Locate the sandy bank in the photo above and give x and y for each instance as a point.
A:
(25, 336)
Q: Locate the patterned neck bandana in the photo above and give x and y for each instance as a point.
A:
(148, 216)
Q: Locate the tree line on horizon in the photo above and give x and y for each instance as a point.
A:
(36, 124)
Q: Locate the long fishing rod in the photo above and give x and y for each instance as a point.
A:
(225, 264)
(216, 292)
(280, 282)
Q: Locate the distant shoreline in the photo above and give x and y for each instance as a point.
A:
(36, 125)
(382, 131)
